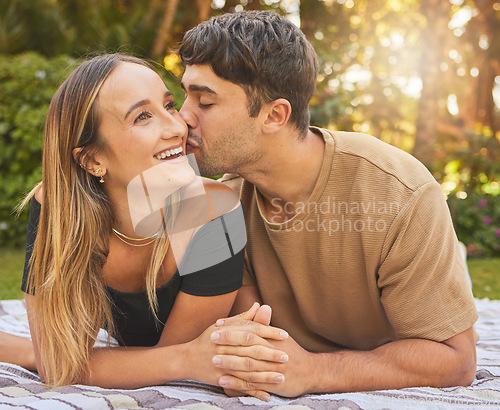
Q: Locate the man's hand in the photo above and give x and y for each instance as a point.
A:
(395, 365)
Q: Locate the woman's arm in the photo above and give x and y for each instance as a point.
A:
(17, 350)
(191, 315)
(134, 367)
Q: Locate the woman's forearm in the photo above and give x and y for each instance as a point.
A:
(17, 350)
(134, 367)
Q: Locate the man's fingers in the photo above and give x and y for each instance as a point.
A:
(257, 313)
(246, 364)
(252, 381)
(250, 334)
(262, 395)
(242, 317)
(263, 315)
(234, 393)
(257, 352)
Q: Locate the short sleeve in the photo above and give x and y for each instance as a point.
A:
(423, 280)
(33, 219)
(214, 260)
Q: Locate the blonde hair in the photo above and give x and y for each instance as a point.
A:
(72, 243)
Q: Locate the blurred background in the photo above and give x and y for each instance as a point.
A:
(423, 75)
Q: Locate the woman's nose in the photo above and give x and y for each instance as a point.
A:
(173, 126)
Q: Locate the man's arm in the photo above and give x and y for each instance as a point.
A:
(246, 297)
(395, 365)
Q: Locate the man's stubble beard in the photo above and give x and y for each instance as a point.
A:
(232, 153)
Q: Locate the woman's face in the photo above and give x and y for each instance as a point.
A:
(140, 127)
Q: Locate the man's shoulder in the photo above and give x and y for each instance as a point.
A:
(377, 157)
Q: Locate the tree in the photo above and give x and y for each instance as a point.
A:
(434, 38)
(159, 46)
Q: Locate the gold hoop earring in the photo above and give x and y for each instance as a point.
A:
(101, 174)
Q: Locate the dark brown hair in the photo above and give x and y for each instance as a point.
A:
(261, 51)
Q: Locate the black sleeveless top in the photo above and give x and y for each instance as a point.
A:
(134, 322)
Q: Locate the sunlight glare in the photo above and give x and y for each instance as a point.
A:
(453, 54)
(452, 104)
(483, 42)
(357, 75)
(460, 18)
(496, 92)
(413, 87)
(397, 39)
(218, 4)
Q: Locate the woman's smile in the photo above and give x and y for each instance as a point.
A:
(170, 153)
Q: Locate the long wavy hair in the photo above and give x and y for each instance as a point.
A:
(72, 244)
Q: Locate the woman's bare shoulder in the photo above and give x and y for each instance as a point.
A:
(39, 194)
(222, 198)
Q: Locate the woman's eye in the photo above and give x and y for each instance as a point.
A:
(204, 105)
(142, 117)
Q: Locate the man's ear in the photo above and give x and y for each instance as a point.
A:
(277, 113)
(88, 162)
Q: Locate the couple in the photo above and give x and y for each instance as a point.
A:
(349, 239)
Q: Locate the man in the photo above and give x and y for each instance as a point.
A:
(350, 240)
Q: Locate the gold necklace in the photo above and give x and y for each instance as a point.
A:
(121, 237)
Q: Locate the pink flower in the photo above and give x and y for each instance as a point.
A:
(487, 220)
(470, 249)
(482, 203)
(497, 232)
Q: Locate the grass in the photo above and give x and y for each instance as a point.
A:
(485, 275)
(11, 273)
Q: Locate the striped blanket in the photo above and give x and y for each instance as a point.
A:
(22, 389)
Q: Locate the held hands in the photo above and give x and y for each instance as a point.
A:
(242, 366)
(245, 343)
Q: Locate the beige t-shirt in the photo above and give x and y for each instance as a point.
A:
(371, 258)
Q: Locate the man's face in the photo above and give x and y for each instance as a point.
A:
(222, 135)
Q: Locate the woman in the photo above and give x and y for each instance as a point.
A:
(111, 122)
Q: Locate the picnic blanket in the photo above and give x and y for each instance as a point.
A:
(22, 389)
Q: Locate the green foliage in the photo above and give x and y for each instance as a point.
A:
(27, 82)
(471, 180)
(477, 223)
(475, 166)
(77, 27)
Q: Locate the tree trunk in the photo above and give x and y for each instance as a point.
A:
(309, 12)
(488, 21)
(160, 43)
(204, 7)
(437, 14)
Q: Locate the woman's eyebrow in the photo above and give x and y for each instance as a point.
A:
(134, 106)
(144, 102)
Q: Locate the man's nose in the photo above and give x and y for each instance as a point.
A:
(187, 115)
